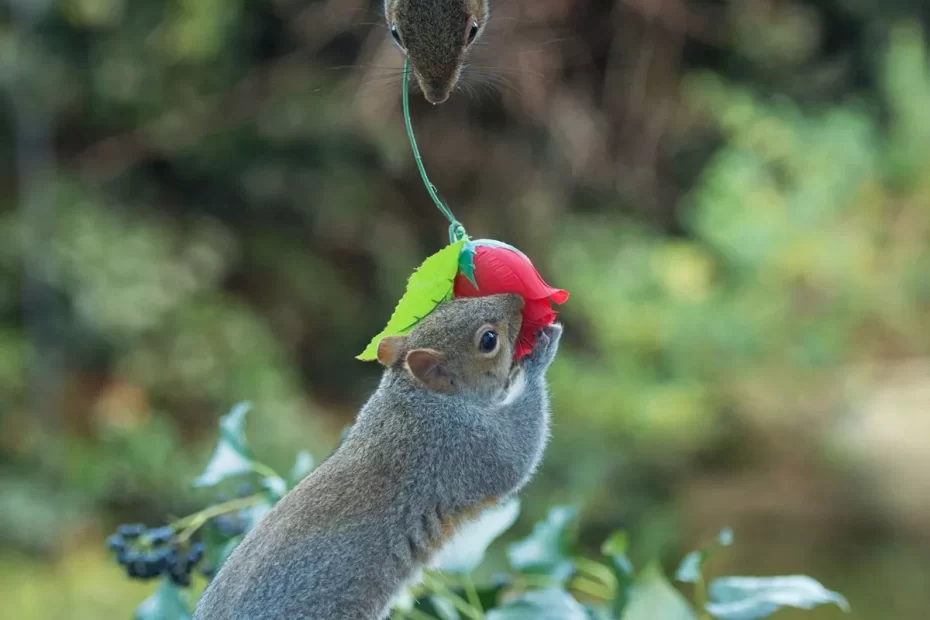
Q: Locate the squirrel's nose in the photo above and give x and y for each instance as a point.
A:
(436, 93)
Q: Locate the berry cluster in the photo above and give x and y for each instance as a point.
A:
(148, 553)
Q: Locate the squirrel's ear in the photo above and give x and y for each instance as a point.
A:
(429, 367)
(389, 350)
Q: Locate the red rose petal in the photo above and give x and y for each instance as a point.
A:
(502, 270)
(537, 313)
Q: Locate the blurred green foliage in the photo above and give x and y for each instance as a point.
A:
(546, 580)
(734, 193)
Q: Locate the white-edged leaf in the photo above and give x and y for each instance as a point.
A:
(547, 604)
(231, 456)
(303, 465)
(168, 602)
(751, 598)
(546, 549)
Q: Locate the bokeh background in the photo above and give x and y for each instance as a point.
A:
(205, 201)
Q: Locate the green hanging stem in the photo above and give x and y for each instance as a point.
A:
(456, 230)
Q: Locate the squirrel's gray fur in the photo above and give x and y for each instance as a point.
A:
(449, 431)
(434, 35)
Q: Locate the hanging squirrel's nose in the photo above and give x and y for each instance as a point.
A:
(435, 92)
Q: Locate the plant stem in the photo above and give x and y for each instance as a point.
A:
(700, 594)
(416, 614)
(194, 522)
(472, 592)
(597, 570)
(458, 602)
(264, 470)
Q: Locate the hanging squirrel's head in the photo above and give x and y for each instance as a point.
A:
(435, 35)
(464, 345)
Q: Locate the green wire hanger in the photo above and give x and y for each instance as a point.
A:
(456, 230)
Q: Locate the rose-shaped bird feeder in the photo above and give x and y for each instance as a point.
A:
(476, 268)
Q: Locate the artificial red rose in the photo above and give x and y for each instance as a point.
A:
(500, 268)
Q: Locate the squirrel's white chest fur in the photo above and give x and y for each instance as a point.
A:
(514, 389)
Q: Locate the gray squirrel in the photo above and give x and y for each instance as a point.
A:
(435, 35)
(455, 426)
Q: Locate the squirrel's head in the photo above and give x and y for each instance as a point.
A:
(434, 35)
(464, 345)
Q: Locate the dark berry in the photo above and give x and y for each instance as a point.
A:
(161, 559)
(161, 535)
(207, 570)
(196, 553)
(180, 577)
(116, 543)
(122, 555)
(136, 565)
(130, 531)
(131, 557)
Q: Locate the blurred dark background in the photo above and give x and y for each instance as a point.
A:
(205, 201)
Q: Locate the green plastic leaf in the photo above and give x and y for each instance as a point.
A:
(547, 549)
(547, 604)
(168, 602)
(232, 456)
(654, 597)
(303, 465)
(429, 285)
(465, 552)
(751, 598)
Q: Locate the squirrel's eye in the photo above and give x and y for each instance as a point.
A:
(473, 32)
(488, 341)
(396, 34)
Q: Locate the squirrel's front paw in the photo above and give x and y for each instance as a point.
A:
(547, 345)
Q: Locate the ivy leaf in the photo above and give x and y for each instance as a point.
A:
(218, 547)
(615, 547)
(166, 603)
(547, 604)
(547, 549)
(429, 285)
(303, 465)
(232, 456)
(751, 598)
(654, 597)
(466, 550)
(689, 571)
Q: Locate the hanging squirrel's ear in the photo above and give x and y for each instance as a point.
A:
(430, 367)
(389, 350)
